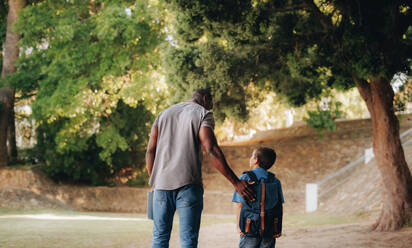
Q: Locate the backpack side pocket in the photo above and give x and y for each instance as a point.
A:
(273, 222)
(249, 223)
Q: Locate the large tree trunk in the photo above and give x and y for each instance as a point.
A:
(11, 53)
(11, 132)
(397, 181)
(4, 122)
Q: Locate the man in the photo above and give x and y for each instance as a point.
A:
(173, 160)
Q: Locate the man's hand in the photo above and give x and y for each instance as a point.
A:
(245, 190)
(277, 235)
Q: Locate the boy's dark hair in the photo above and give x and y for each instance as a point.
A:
(266, 157)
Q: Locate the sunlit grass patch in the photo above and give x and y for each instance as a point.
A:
(60, 228)
(51, 228)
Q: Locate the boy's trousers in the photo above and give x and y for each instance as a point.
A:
(249, 242)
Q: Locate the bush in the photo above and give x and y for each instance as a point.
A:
(119, 142)
(140, 179)
(324, 119)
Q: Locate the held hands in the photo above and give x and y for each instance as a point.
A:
(245, 190)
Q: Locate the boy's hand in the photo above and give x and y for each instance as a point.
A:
(245, 190)
(277, 235)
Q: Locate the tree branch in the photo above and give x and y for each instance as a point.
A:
(324, 20)
(400, 24)
(364, 89)
(287, 9)
(306, 5)
(362, 84)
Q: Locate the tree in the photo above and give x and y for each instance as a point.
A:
(3, 27)
(11, 53)
(90, 65)
(300, 49)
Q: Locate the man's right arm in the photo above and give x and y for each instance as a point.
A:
(151, 149)
(209, 143)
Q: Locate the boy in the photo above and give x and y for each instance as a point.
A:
(255, 232)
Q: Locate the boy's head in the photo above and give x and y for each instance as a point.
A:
(263, 157)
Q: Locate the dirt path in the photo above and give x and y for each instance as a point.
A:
(330, 236)
(347, 235)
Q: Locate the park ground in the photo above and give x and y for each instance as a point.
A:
(51, 228)
(343, 219)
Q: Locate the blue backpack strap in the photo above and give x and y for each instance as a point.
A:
(249, 213)
(251, 175)
(271, 177)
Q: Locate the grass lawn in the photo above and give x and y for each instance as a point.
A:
(51, 228)
(73, 229)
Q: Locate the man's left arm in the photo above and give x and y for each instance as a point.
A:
(218, 160)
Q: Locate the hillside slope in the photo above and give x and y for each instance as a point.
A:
(362, 191)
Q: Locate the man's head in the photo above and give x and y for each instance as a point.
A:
(203, 97)
(263, 157)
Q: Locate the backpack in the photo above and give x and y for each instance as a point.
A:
(262, 217)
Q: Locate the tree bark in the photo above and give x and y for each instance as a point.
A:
(397, 180)
(11, 131)
(11, 53)
(4, 121)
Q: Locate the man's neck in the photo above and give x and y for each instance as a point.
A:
(197, 102)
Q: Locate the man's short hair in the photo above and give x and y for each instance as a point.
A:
(200, 93)
(266, 157)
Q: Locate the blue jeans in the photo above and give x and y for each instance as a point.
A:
(249, 242)
(188, 201)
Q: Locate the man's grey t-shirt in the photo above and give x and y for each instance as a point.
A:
(178, 157)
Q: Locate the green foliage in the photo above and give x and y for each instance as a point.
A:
(209, 66)
(91, 65)
(324, 119)
(299, 49)
(119, 142)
